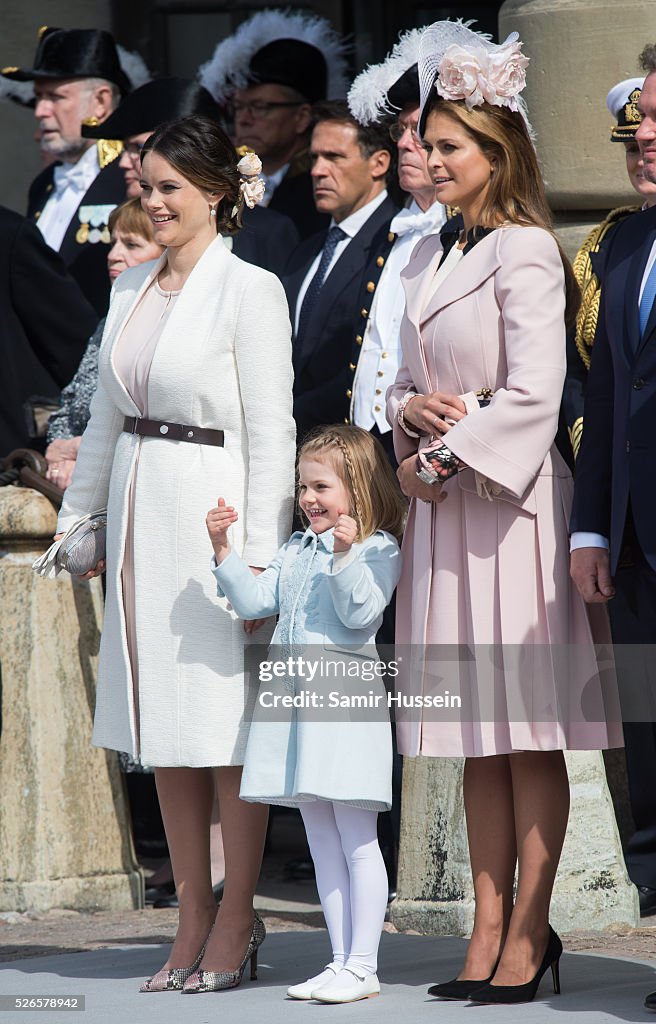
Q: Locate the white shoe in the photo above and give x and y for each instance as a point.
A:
(306, 988)
(348, 986)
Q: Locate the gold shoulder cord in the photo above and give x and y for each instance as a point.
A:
(588, 314)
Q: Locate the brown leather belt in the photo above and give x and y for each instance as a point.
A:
(172, 431)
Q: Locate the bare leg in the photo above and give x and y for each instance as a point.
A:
(541, 799)
(244, 830)
(185, 798)
(217, 857)
(493, 854)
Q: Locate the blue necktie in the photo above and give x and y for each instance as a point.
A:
(647, 300)
(333, 238)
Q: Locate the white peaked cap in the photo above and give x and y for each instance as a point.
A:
(618, 96)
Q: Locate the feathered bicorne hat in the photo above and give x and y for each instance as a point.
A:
(301, 51)
(385, 88)
(462, 64)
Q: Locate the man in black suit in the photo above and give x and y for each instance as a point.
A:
(267, 238)
(77, 76)
(333, 274)
(613, 521)
(45, 323)
(270, 71)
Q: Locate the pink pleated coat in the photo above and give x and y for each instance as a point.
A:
(488, 568)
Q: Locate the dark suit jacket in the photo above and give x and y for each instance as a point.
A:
(322, 361)
(86, 261)
(45, 323)
(618, 451)
(267, 239)
(294, 197)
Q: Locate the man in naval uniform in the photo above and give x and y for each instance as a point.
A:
(77, 77)
(389, 92)
(270, 72)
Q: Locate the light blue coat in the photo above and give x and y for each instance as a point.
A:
(330, 607)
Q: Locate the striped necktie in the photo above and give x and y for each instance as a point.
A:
(333, 238)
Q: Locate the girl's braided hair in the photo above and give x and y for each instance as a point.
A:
(377, 501)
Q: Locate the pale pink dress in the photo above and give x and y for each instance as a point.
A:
(485, 575)
(133, 357)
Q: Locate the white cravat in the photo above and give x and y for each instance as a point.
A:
(380, 356)
(70, 183)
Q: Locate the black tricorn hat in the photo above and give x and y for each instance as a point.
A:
(74, 53)
(150, 105)
(405, 90)
(293, 63)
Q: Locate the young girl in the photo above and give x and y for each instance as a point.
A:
(330, 586)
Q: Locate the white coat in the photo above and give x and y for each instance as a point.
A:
(223, 362)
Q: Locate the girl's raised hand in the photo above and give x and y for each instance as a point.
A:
(218, 521)
(346, 530)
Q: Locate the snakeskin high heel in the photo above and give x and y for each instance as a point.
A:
(172, 979)
(215, 981)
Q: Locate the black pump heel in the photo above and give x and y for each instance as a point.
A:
(525, 993)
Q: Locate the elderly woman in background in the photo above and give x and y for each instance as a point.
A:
(194, 400)
(132, 243)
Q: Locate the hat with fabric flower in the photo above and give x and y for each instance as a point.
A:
(461, 64)
(300, 51)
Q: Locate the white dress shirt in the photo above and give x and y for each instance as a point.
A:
(582, 539)
(350, 226)
(380, 356)
(70, 183)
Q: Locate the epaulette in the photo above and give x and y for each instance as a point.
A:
(588, 282)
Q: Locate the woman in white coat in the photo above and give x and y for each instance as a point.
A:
(194, 400)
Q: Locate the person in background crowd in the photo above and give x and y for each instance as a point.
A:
(380, 92)
(198, 330)
(267, 238)
(485, 551)
(132, 241)
(45, 322)
(622, 102)
(270, 72)
(329, 273)
(613, 527)
(77, 76)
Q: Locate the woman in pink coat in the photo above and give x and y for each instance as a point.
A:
(485, 554)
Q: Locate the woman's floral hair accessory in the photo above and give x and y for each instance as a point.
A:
(252, 186)
(465, 65)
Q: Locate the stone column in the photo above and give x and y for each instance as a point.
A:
(579, 49)
(435, 895)
(65, 837)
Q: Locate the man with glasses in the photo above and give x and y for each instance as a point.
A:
(77, 77)
(269, 73)
(390, 91)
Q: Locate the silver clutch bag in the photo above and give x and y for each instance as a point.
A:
(79, 550)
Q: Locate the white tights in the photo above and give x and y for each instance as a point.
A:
(351, 879)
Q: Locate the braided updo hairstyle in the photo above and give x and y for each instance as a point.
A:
(199, 150)
(359, 460)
